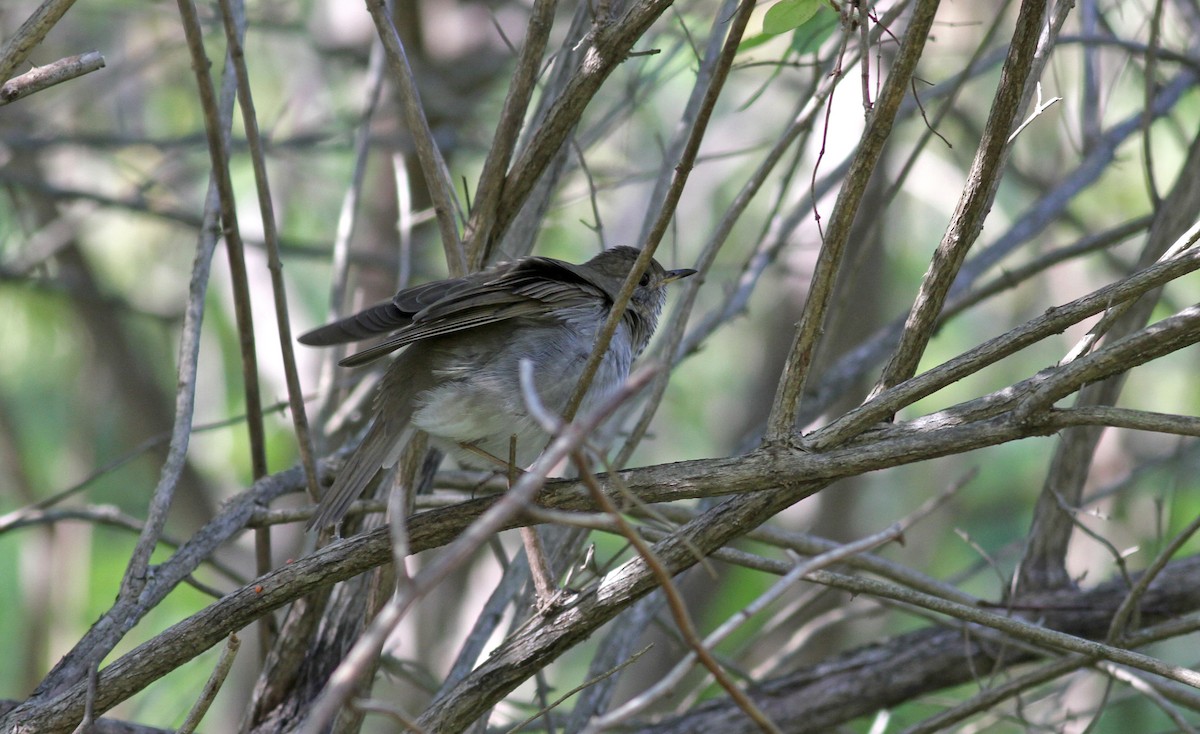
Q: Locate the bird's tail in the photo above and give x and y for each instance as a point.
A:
(379, 449)
(383, 318)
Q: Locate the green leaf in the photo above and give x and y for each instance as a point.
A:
(755, 40)
(808, 39)
(787, 15)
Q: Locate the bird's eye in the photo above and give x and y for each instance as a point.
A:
(645, 281)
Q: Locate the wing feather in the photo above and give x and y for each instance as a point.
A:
(532, 287)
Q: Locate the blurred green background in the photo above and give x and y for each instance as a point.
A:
(103, 185)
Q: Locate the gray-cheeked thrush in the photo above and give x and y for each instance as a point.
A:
(459, 379)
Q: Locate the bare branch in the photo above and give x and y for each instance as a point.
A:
(30, 34)
(47, 76)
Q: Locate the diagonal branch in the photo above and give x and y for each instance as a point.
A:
(30, 34)
(786, 406)
(982, 181)
(607, 46)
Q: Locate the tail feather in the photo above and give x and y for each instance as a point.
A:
(379, 449)
(381, 319)
(405, 378)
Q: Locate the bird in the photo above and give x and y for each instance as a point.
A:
(464, 339)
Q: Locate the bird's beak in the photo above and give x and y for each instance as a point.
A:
(677, 274)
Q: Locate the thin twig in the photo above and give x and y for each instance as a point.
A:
(1130, 604)
(1038, 108)
(44, 77)
(215, 680)
(433, 166)
(786, 405)
(683, 167)
(662, 688)
(586, 684)
(30, 34)
(478, 234)
(973, 206)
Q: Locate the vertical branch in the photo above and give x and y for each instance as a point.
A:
(271, 238)
(1044, 565)
(786, 405)
(348, 222)
(478, 233)
(516, 238)
(218, 148)
(982, 182)
(1089, 108)
(1149, 88)
(132, 604)
(607, 46)
(234, 28)
(433, 166)
(693, 108)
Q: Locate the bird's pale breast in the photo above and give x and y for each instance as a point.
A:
(478, 400)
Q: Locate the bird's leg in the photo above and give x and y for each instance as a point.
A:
(539, 567)
(544, 586)
(506, 465)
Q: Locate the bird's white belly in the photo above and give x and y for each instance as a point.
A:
(482, 406)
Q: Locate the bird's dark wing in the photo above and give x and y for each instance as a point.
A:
(389, 316)
(529, 288)
(542, 280)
